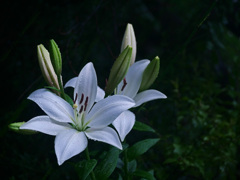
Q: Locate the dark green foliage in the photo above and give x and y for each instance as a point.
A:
(198, 44)
(108, 164)
(85, 167)
(140, 148)
(142, 127)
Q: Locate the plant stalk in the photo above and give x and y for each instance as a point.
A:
(88, 158)
(125, 165)
(61, 87)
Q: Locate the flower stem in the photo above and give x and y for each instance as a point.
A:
(88, 158)
(125, 164)
(61, 87)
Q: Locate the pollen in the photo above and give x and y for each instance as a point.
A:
(75, 106)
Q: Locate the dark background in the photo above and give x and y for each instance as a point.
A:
(198, 44)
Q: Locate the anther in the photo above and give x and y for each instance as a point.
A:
(75, 99)
(85, 104)
(81, 109)
(124, 84)
(81, 99)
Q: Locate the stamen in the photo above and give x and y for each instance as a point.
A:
(75, 106)
(124, 84)
(81, 99)
(75, 99)
(81, 109)
(85, 104)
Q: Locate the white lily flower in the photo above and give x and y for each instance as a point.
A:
(100, 92)
(73, 125)
(130, 87)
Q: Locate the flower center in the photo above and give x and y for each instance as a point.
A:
(80, 112)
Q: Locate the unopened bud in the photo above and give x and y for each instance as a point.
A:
(129, 39)
(150, 74)
(55, 56)
(16, 128)
(46, 66)
(119, 70)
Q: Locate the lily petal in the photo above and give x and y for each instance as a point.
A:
(133, 79)
(148, 95)
(45, 125)
(107, 135)
(69, 143)
(54, 106)
(86, 87)
(100, 92)
(104, 112)
(71, 83)
(124, 123)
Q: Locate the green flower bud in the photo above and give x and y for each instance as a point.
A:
(46, 66)
(130, 40)
(55, 57)
(150, 74)
(119, 70)
(15, 127)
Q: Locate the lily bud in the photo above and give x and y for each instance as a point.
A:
(46, 66)
(55, 56)
(15, 127)
(130, 40)
(150, 74)
(119, 70)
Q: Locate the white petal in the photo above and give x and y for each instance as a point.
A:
(45, 125)
(69, 143)
(133, 79)
(54, 106)
(86, 87)
(71, 83)
(107, 135)
(148, 95)
(100, 94)
(124, 123)
(104, 112)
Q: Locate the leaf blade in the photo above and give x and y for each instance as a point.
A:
(140, 148)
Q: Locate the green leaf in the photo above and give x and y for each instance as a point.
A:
(105, 168)
(85, 167)
(68, 99)
(140, 147)
(144, 174)
(52, 88)
(139, 126)
(132, 166)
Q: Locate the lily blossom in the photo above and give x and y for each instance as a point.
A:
(100, 92)
(72, 126)
(130, 87)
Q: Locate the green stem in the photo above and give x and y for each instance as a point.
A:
(88, 158)
(125, 164)
(61, 87)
